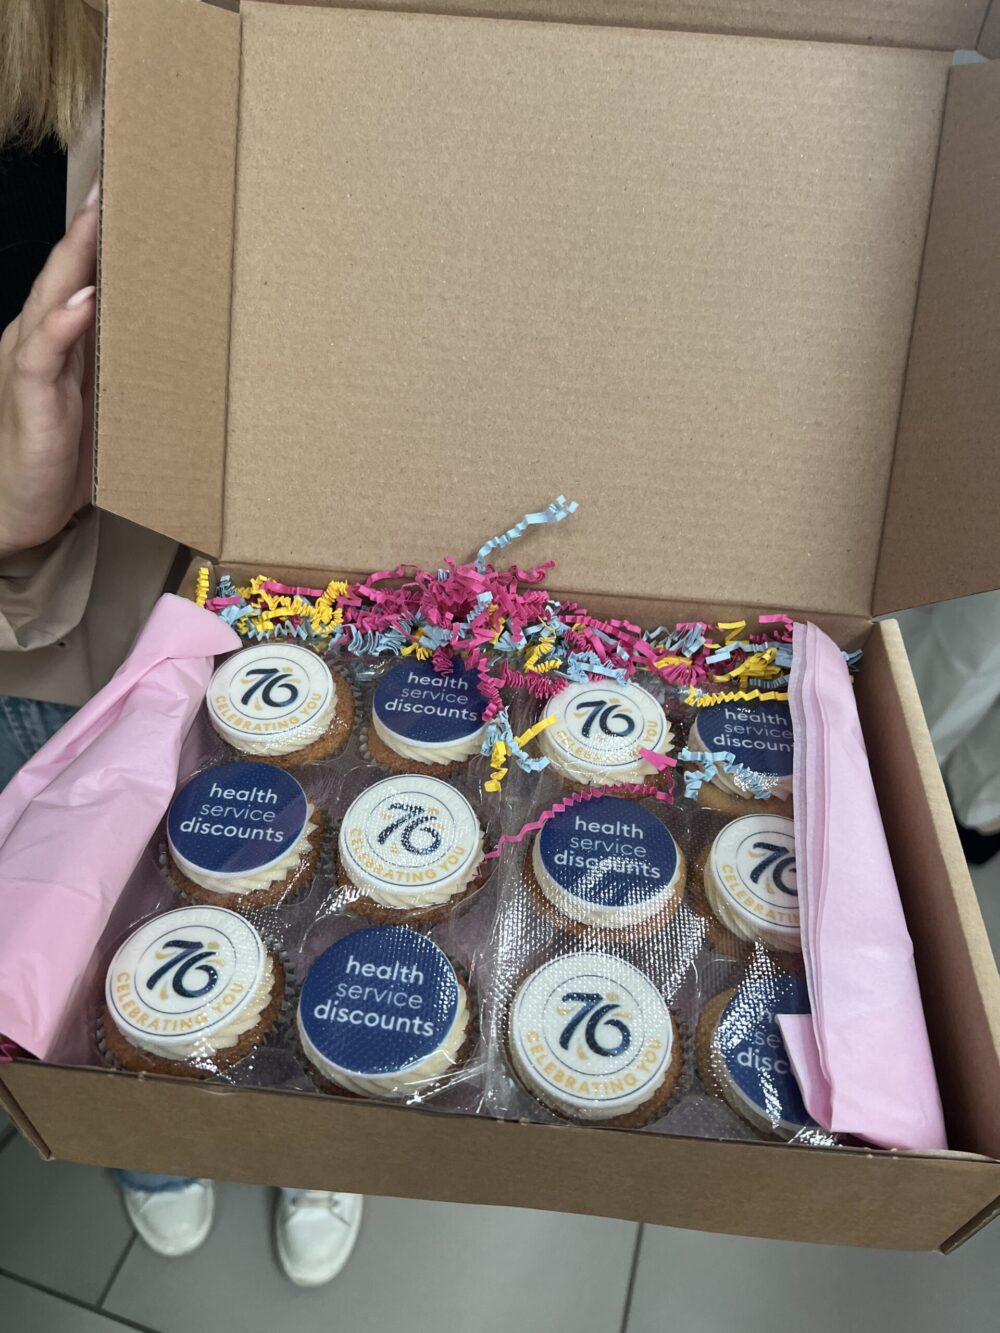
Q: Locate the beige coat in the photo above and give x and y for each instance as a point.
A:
(70, 610)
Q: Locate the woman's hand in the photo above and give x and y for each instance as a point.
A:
(45, 385)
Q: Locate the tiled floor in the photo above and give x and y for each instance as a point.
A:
(68, 1265)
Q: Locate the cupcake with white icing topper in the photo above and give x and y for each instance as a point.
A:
(599, 731)
(281, 704)
(190, 992)
(244, 836)
(744, 883)
(384, 1013)
(410, 848)
(759, 737)
(591, 1038)
(423, 721)
(608, 864)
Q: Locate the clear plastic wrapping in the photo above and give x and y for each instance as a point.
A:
(364, 914)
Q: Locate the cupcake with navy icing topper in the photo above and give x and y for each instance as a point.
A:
(758, 736)
(742, 1058)
(607, 864)
(424, 721)
(385, 1013)
(244, 836)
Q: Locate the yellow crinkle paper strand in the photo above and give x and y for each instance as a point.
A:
(733, 696)
(533, 661)
(501, 752)
(732, 629)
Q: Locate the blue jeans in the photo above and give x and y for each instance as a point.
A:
(25, 726)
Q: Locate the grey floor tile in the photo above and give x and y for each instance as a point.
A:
(422, 1267)
(703, 1284)
(25, 1309)
(60, 1225)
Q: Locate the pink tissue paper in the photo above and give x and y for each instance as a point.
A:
(76, 819)
(862, 1058)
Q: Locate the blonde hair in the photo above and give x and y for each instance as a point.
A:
(50, 56)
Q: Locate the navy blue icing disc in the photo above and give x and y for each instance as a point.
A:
(236, 818)
(379, 1000)
(417, 702)
(753, 1051)
(609, 852)
(759, 736)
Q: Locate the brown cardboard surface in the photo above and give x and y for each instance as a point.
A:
(502, 261)
(21, 1122)
(836, 1197)
(942, 24)
(166, 231)
(941, 531)
(958, 976)
(989, 37)
(972, 1228)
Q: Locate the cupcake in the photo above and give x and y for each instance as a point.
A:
(426, 722)
(190, 992)
(759, 736)
(599, 730)
(742, 1057)
(608, 864)
(745, 884)
(384, 1013)
(410, 847)
(280, 703)
(245, 835)
(591, 1038)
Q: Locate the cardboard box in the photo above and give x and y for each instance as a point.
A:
(372, 284)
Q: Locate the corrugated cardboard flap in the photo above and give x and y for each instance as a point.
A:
(941, 534)
(273, 1136)
(947, 25)
(169, 158)
(479, 264)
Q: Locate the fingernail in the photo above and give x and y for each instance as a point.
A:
(78, 298)
(93, 194)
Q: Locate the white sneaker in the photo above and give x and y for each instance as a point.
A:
(315, 1233)
(173, 1221)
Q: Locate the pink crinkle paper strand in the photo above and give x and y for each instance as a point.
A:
(575, 798)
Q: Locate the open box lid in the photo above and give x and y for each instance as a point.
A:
(943, 25)
(373, 284)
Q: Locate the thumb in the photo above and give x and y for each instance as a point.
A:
(41, 358)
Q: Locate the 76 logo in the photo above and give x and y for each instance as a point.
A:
(595, 1009)
(190, 957)
(275, 689)
(609, 718)
(416, 826)
(780, 861)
